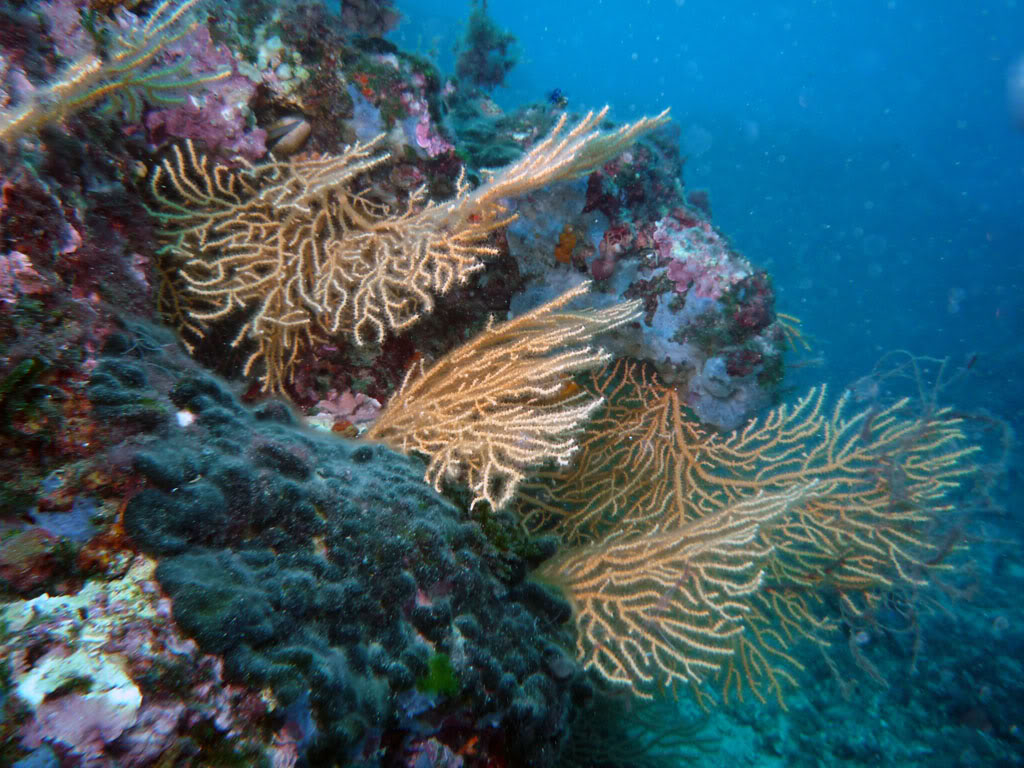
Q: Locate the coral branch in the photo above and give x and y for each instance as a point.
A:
(878, 519)
(302, 250)
(123, 79)
(668, 605)
(504, 402)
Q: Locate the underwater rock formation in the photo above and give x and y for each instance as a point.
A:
(314, 564)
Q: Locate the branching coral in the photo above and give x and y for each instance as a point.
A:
(878, 518)
(123, 79)
(303, 250)
(504, 402)
(668, 605)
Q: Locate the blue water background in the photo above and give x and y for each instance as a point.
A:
(862, 152)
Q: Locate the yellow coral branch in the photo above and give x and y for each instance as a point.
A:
(503, 402)
(883, 477)
(118, 79)
(302, 249)
(669, 604)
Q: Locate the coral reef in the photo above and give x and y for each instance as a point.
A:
(369, 17)
(108, 680)
(313, 565)
(304, 254)
(709, 323)
(194, 573)
(797, 505)
(218, 114)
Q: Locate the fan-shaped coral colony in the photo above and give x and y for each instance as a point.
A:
(586, 497)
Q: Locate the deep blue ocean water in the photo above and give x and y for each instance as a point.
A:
(863, 153)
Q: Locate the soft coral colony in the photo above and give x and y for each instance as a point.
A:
(122, 78)
(304, 250)
(190, 576)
